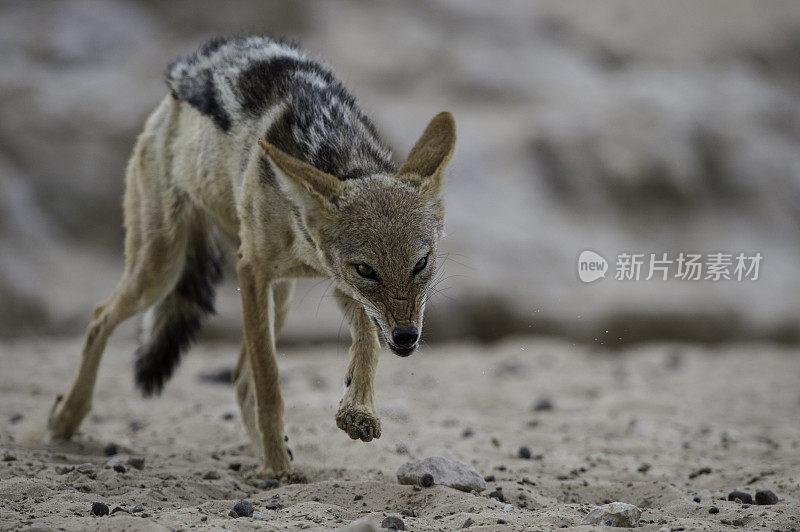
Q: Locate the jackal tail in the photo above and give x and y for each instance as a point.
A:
(171, 325)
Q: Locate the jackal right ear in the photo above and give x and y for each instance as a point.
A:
(429, 156)
(300, 181)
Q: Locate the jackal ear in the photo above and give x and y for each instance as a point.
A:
(300, 181)
(429, 156)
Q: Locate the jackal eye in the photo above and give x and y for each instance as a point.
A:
(365, 270)
(420, 265)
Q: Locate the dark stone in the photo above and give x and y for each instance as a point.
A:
(393, 522)
(542, 405)
(426, 481)
(111, 449)
(696, 498)
(502, 522)
(409, 513)
(228, 416)
(235, 466)
(468, 432)
(498, 494)
(119, 468)
(271, 483)
(713, 510)
(211, 475)
(524, 452)
(766, 497)
(138, 508)
(242, 508)
(273, 506)
(468, 523)
(743, 496)
(358, 497)
(701, 471)
(99, 509)
(119, 509)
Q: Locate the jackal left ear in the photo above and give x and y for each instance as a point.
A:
(300, 181)
(429, 156)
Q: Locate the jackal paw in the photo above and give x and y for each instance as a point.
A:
(64, 418)
(358, 422)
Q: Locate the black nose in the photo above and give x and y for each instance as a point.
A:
(405, 337)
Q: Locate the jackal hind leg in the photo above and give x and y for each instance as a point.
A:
(155, 243)
(356, 415)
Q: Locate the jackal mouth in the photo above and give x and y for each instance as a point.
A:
(402, 351)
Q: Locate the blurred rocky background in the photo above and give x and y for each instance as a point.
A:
(637, 126)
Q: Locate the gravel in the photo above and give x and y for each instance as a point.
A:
(452, 473)
(766, 497)
(743, 496)
(99, 509)
(614, 514)
(242, 508)
(393, 522)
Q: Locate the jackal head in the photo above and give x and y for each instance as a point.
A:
(378, 235)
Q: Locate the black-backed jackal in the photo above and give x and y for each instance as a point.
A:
(262, 146)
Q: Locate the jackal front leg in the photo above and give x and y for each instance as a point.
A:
(357, 415)
(263, 365)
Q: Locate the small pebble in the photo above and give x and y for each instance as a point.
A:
(138, 508)
(211, 475)
(261, 515)
(502, 522)
(743, 497)
(119, 509)
(697, 498)
(766, 497)
(468, 523)
(713, 510)
(498, 494)
(524, 452)
(358, 497)
(489, 478)
(242, 508)
(111, 449)
(235, 466)
(273, 506)
(468, 432)
(426, 480)
(136, 461)
(119, 468)
(63, 470)
(409, 513)
(393, 522)
(100, 509)
(271, 483)
(542, 405)
(8, 456)
(228, 416)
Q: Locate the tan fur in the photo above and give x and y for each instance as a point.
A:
(183, 179)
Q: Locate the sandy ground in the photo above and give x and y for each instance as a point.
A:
(633, 427)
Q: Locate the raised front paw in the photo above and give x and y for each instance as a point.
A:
(358, 422)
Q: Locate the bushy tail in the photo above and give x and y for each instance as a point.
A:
(170, 326)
